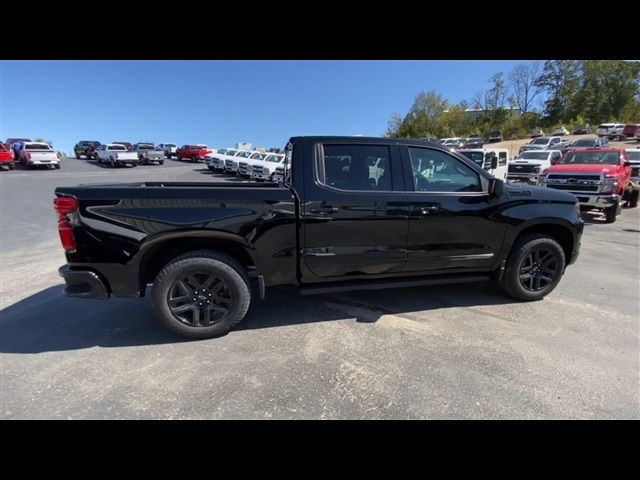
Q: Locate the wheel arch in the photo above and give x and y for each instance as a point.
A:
(561, 233)
(160, 251)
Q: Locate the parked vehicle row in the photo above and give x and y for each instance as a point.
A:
(261, 166)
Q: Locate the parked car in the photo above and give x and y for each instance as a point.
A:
(266, 169)
(581, 129)
(87, 148)
(195, 153)
(245, 166)
(630, 130)
(231, 162)
(493, 160)
(560, 131)
(454, 142)
(169, 149)
(35, 154)
(474, 141)
(633, 155)
(583, 143)
(495, 137)
(13, 144)
(148, 154)
(336, 225)
(116, 154)
(610, 130)
(599, 178)
(215, 161)
(6, 158)
(527, 167)
(544, 143)
(127, 145)
(536, 133)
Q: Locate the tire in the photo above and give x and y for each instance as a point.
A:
(161, 162)
(517, 284)
(57, 167)
(633, 198)
(194, 159)
(611, 213)
(77, 156)
(12, 167)
(112, 163)
(185, 275)
(179, 158)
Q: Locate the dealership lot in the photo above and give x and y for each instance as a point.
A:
(462, 351)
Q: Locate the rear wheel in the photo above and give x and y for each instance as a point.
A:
(633, 198)
(201, 294)
(534, 268)
(112, 163)
(194, 159)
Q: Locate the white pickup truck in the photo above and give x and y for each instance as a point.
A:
(114, 154)
(31, 154)
(266, 169)
(529, 165)
(215, 161)
(245, 166)
(493, 160)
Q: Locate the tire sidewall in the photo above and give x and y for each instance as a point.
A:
(236, 283)
(516, 258)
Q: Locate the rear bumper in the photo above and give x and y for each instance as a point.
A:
(42, 162)
(83, 284)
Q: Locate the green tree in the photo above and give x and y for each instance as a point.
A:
(560, 79)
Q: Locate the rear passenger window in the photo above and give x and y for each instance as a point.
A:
(502, 158)
(435, 171)
(356, 167)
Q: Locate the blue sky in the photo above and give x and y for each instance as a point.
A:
(220, 102)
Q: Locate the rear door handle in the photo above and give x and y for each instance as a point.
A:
(324, 209)
(426, 210)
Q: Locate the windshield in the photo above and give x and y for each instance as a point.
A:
(593, 158)
(534, 156)
(258, 156)
(170, 145)
(633, 155)
(476, 157)
(231, 152)
(145, 146)
(275, 158)
(118, 148)
(243, 154)
(37, 146)
(586, 142)
(222, 151)
(540, 141)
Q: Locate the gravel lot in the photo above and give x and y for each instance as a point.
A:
(438, 352)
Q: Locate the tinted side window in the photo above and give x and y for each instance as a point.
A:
(356, 167)
(502, 158)
(435, 171)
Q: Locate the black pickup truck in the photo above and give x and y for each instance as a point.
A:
(352, 213)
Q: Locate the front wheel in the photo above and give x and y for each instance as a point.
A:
(534, 268)
(201, 294)
(611, 213)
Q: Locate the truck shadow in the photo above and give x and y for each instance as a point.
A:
(49, 321)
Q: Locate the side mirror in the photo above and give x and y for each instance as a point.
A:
(496, 187)
(494, 163)
(626, 163)
(554, 161)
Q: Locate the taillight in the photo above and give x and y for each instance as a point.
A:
(64, 206)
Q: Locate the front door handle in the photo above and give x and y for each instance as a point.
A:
(324, 209)
(426, 210)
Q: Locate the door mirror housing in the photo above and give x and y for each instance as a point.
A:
(496, 187)
(626, 163)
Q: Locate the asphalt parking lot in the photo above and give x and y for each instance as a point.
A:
(446, 352)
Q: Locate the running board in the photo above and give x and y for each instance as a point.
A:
(380, 284)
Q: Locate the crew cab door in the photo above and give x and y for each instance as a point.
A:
(452, 227)
(354, 213)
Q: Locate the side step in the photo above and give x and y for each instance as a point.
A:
(384, 283)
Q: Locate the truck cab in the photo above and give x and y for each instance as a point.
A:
(493, 160)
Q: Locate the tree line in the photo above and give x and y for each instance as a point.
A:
(549, 94)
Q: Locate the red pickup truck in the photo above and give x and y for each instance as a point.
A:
(195, 153)
(6, 158)
(598, 177)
